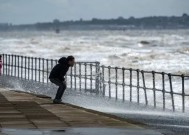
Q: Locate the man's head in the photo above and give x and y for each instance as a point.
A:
(71, 60)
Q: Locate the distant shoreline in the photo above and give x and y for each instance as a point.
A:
(154, 22)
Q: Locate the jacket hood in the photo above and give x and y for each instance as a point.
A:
(62, 60)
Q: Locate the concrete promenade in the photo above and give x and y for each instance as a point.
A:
(29, 111)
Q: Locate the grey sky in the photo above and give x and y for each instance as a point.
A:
(31, 11)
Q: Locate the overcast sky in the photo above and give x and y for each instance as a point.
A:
(32, 11)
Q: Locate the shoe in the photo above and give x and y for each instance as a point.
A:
(57, 101)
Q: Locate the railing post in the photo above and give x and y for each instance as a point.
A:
(6, 65)
(85, 77)
(25, 68)
(3, 64)
(144, 86)
(71, 77)
(32, 62)
(47, 64)
(97, 78)
(12, 69)
(131, 78)
(183, 94)
(171, 88)
(35, 69)
(163, 89)
(80, 77)
(18, 66)
(138, 89)
(28, 68)
(39, 60)
(109, 81)
(103, 82)
(75, 75)
(9, 73)
(15, 63)
(154, 88)
(91, 75)
(21, 67)
(123, 84)
(116, 82)
(43, 61)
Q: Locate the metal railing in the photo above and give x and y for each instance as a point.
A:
(157, 89)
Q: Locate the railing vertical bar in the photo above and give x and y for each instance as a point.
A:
(75, 79)
(91, 74)
(43, 66)
(109, 81)
(123, 83)
(21, 67)
(3, 64)
(47, 64)
(15, 63)
(116, 83)
(12, 69)
(25, 67)
(6, 64)
(183, 94)
(103, 81)
(85, 77)
(131, 78)
(154, 88)
(171, 91)
(71, 78)
(144, 87)
(80, 76)
(138, 89)
(39, 70)
(32, 68)
(163, 89)
(29, 68)
(35, 69)
(9, 66)
(18, 66)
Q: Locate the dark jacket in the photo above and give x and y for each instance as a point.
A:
(60, 70)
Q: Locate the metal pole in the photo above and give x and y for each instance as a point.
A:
(6, 65)
(103, 81)
(21, 66)
(131, 78)
(43, 60)
(35, 69)
(171, 92)
(12, 65)
(144, 86)
(9, 73)
(32, 62)
(85, 77)
(97, 77)
(138, 89)
(15, 65)
(75, 76)
(80, 76)
(28, 68)
(25, 68)
(39, 70)
(18, 66)
(47, 62)
(91, 77)
(116, 82)
(3, 64)
(183, 94)
(154, 91)
(163, 90)
(71, 77)
(109, 82)
(123, 84)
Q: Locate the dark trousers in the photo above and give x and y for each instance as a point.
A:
(61, 89)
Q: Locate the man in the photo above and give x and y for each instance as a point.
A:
(57, 76)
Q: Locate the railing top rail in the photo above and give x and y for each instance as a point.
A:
(110, 67)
